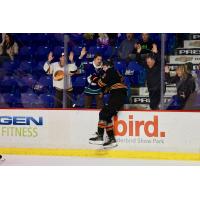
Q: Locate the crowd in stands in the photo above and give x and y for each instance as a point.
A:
(27, 60)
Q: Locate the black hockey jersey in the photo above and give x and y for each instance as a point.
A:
(112, 80)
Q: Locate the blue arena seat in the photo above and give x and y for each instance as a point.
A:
(3, 103)
(41, 53)
(25, 53)
(42, 39)
(30, 100)
(133, 65)
(77, 38)
(22, 86)
(46, 80)
(25, 67)
(77, 50)
(139, 74)
(95, 49)
(78, 83)
(44, 85)
(8, 85)
(37, 70)
(24, 38)
(11, 99)
(29, 81)
(9, 67)
(110, 52)
(120, 66)
(47, 100)
(10, 64)
(78, 80)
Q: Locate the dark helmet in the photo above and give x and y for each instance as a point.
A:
(108, 62)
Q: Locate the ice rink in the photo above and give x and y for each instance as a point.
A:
(24, 160)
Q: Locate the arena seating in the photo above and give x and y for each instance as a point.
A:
(23, 83)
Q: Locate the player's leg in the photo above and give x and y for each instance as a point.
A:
(115, 103)
(111, 141)
(99, 101)
(100, 129)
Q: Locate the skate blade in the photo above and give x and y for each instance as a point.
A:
(111, 146)
(96, 142)
(2, 159)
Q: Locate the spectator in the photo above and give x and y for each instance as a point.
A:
(2, 37)
(146, 44)
(90, 39)
(194, 73)
(185, 85)
(92, 90)
(8, 48)
(153, 67)
(57, 70)
(113, 39)
(103, 39)
(127, 47)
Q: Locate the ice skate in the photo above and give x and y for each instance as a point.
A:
(98, 140)
(2, 159)
(110, 143)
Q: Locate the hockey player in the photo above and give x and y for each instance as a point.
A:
(111, 81)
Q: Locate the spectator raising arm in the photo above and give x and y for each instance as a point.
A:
(48, 68)
(154, 54)
(139, 58)
(80, 58)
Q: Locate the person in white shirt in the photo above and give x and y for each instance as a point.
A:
(56, 69)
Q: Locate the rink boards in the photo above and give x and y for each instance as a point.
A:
(140, 134)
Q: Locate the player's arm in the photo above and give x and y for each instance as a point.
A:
(101, 81)
(120, 76)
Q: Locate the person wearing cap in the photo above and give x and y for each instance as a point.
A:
(56, 69)
(153, 67)
(92, 90)
(111, 81)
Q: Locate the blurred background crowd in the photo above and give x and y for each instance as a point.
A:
(28, 78)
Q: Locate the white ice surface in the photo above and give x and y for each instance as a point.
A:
(21, 160)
